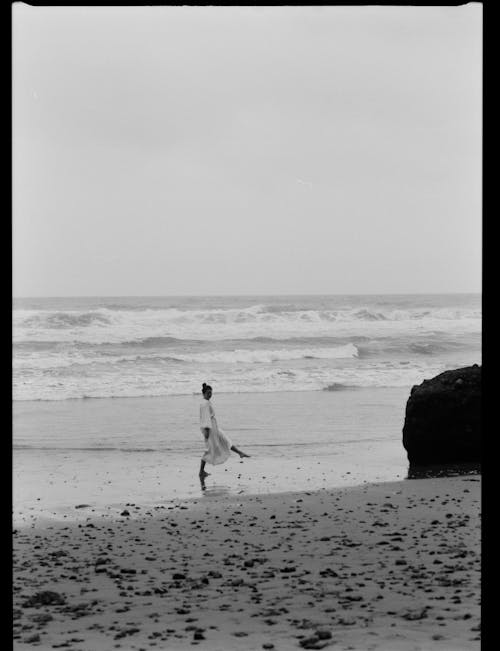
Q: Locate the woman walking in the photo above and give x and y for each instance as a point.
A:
(218, 445)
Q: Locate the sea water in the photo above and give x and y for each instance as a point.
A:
(127, 347)
(107, 390)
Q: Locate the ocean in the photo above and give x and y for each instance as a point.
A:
(107, 390)
(68, 348)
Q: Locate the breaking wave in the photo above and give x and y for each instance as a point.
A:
(71, 348)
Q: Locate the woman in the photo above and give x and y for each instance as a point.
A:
(217, 443)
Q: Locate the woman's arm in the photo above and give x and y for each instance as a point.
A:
(205, 420)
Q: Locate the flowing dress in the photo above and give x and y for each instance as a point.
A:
(218, 445)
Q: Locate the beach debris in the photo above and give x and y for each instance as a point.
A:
(159, 590)
(101, 569)
(41, 618)
(44, 598)
(328, 572)
(102, 560)
(346, 621)
(314, 642)
(352, 597)
(126, 631)
(125, 512)
(415, 614)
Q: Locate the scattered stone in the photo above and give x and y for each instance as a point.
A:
(413, 615)
(126, 631)
(44, 598)
(41, 618)
(314, 642)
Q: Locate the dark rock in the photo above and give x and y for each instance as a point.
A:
(314, 642)
(45, 598)
(41, 618)
(125, 512)
(413, 615)
(126, 631)
(443, 419)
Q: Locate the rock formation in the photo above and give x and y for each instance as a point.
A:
(443, 419)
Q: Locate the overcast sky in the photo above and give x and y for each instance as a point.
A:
(235, 150)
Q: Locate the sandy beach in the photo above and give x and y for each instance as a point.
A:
(387, 566)
(282, 204)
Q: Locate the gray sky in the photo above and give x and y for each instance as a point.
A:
(227, 150)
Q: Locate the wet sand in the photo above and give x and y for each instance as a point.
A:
(383, 567)
(109, 452)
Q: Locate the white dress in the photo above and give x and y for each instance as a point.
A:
(218, 444)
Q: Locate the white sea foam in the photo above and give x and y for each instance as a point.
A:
(73, 348)
(260, 379)
(114, 326)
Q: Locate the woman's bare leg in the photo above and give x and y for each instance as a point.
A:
(203, 474)
(242, 454)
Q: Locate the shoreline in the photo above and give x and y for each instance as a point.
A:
(300, 441)
(388, 566)
(196, 394)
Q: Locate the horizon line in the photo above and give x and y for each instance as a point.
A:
(241, 295)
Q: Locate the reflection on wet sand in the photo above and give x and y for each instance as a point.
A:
(221, 490)
(443, 470)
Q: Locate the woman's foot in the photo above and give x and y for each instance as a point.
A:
(203, 474)
(243, 454)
